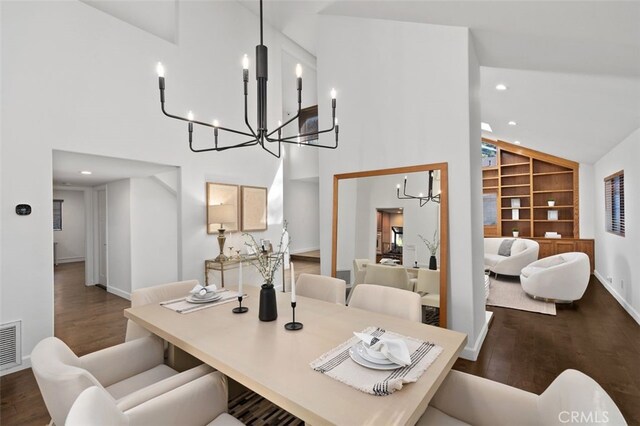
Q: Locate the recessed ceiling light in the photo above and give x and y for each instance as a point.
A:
(517, 142)
(512, 123)
(501, 87)
(486, 127)
(85, 172)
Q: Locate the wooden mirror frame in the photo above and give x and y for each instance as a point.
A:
(444, 220)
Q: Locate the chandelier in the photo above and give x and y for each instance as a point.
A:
(261, 135)
(423, 199)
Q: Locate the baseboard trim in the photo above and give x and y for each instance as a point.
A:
(304, 250)
(471, 352)
(625, 305)
(26, 363)
(71, 260)
(119, 292)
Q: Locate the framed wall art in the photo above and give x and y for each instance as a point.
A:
(254, 208)
(222, 194)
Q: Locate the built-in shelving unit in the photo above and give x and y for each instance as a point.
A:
(524, 180)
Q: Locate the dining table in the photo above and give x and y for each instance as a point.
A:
(275, 362)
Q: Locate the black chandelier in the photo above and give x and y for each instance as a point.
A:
(423, 199)
(261, 134)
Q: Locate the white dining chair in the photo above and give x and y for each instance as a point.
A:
(464, 399)
(200, 402)
(131, 372)
(155, 294)
(428, 286)
(387, 300)
(359, 270)
(321, 287)
(384, 275)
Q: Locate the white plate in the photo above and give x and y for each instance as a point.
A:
(192, 299)
(363, 352)
(363, 362)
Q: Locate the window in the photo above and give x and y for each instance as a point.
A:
(614, 203)
(57, 215)
(490, 208)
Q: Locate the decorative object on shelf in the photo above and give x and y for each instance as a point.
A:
(254, 208)
(222, 213)
(516, 232)
(433, 248)
(293, 325)
(267, 264)
(515, 203)
(552, 214)
(551, 202)
(222, 193)
(261, 135)
(240, 309)
(515, 214)
(423, 199)
(552, 235)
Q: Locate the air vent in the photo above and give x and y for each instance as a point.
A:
(10, 344)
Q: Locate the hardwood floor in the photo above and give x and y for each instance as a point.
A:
(522, 349)
(595, 335)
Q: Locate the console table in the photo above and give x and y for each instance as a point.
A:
(214, 265)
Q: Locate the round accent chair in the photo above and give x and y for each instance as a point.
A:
(562, 278)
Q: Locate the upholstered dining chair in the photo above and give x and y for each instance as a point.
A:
(428, 286)
(387, 300)
(359, 270)
(200, 402)
(131, 372)
(464, 399)
(155, 294)
(321, 287)
(384, 275)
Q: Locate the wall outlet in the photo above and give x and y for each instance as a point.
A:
(610, 280)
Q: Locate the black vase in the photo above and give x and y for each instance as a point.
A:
(433, 264)
(268, 305)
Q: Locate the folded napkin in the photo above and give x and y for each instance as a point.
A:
(201, 291)
(395, 350)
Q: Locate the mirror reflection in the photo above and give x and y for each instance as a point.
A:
(388, 232)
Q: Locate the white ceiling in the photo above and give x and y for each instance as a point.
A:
(68, 165)
(572, 67)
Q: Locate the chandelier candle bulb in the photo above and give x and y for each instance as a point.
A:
(298, 70)
(160, 70)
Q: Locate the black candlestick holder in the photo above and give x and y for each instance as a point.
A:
(293, 325)
(240, 309)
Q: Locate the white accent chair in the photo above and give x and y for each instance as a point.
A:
(523, 252)
(132, 372)
(464, 399)
(428, 286)
(200, 402)
(387, 300)
(359, 270)
(562, 278)
(155, 294)
(321, 287)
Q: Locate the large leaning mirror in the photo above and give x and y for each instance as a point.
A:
(396, 220)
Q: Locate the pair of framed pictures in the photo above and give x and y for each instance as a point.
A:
(249, 204)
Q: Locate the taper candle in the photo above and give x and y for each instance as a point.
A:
(240, 279)
(293, 284)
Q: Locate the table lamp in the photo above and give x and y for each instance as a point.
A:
(222, 213)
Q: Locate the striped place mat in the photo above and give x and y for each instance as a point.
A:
(181, 305)
(338, 365)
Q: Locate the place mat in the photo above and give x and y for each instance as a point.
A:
(183, 307)
(338, 365)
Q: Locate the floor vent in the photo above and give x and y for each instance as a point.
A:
(10, 344)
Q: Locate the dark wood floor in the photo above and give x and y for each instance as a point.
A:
(522, 349)
(595, 336)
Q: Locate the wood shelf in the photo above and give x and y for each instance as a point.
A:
(518, 220)
(515, 164)
(490, 178)
(552, 207)
(489, 187)
(515, 174)
(516, 186)
(514, 196)
(564, 172)
(559, 220)
(549, 191)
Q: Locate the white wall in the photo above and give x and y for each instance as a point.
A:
(119, 237)
(154, 233)
(301, 212)
(618, 257)
(71, 240)
(89, 80)
(405, 99)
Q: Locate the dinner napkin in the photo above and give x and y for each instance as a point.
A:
(395, 350)
(201, 291)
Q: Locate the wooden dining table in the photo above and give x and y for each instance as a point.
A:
(274, 362)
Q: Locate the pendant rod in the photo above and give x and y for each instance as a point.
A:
(261, 40)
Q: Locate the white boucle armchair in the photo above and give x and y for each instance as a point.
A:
(523, 252)
(562, 278)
